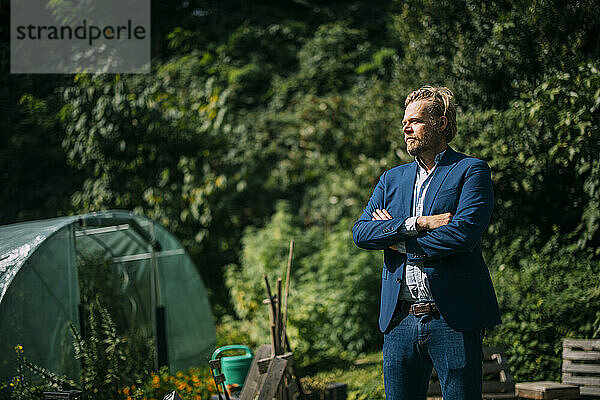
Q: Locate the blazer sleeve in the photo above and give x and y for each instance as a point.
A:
(473, 213)
(378, 235)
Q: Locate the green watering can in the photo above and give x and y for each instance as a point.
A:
(235, 368)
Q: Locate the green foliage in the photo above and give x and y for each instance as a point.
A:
(108, 360)
(543, 157)
(30, 380)
(109, 333)
(301, 101)
(333, 293)
(193, 384)
(546, 297)
(364, 377)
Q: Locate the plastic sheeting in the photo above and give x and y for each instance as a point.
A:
(39, 290)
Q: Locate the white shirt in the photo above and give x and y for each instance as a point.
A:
(415, 285)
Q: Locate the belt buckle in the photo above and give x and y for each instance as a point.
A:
(419, 310)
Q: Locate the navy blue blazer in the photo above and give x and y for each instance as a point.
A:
(458, 276)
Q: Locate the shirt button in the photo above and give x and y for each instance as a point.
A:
(398, 280)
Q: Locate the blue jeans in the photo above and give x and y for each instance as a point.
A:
(413, 345)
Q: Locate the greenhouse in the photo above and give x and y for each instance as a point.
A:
(150, 280)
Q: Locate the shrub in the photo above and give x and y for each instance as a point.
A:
(334, 293)
(30, 380)
(546, 297)
(194, 384)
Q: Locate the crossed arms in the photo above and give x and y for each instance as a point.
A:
(422, 223)
(440, 235)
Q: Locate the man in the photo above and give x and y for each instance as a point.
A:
(428, 218)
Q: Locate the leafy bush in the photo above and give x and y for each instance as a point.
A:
(544, 298)
(30, 380)
(109, 360)
(194, 384)
(112, 349)
(334, 293)
(364, 378)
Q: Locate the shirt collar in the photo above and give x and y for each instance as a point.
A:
(437, 159)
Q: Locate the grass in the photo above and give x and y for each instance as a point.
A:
(364, 377)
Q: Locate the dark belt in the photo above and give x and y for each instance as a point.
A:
(419, 309)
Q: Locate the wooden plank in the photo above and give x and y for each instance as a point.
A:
(585, 344)
(546, 390)
(581, 380)
(572, 367)
(589, 391)
(576, 355)
(263, 363)
(254, 378)
(272, 379)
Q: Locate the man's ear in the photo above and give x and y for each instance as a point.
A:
(442, 123)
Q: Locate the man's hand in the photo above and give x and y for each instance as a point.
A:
(430, 222)
(383, 215)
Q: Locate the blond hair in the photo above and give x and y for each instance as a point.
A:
(439, 104)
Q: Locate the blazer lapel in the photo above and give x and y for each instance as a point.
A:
(439, 175)
(409, 188)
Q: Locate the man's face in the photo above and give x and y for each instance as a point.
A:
(420, 134)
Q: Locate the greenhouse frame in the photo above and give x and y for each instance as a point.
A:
(159, 289)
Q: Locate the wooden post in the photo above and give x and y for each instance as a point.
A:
(272, 314)
(287, 292)
(278, 316)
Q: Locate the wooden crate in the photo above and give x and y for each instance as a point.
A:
(546, 390)
(581, 365)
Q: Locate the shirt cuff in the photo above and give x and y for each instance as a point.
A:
(410, 226)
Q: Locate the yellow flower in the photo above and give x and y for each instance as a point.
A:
(155, 382)
(126, 391)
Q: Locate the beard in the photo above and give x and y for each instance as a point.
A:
(431, 140)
